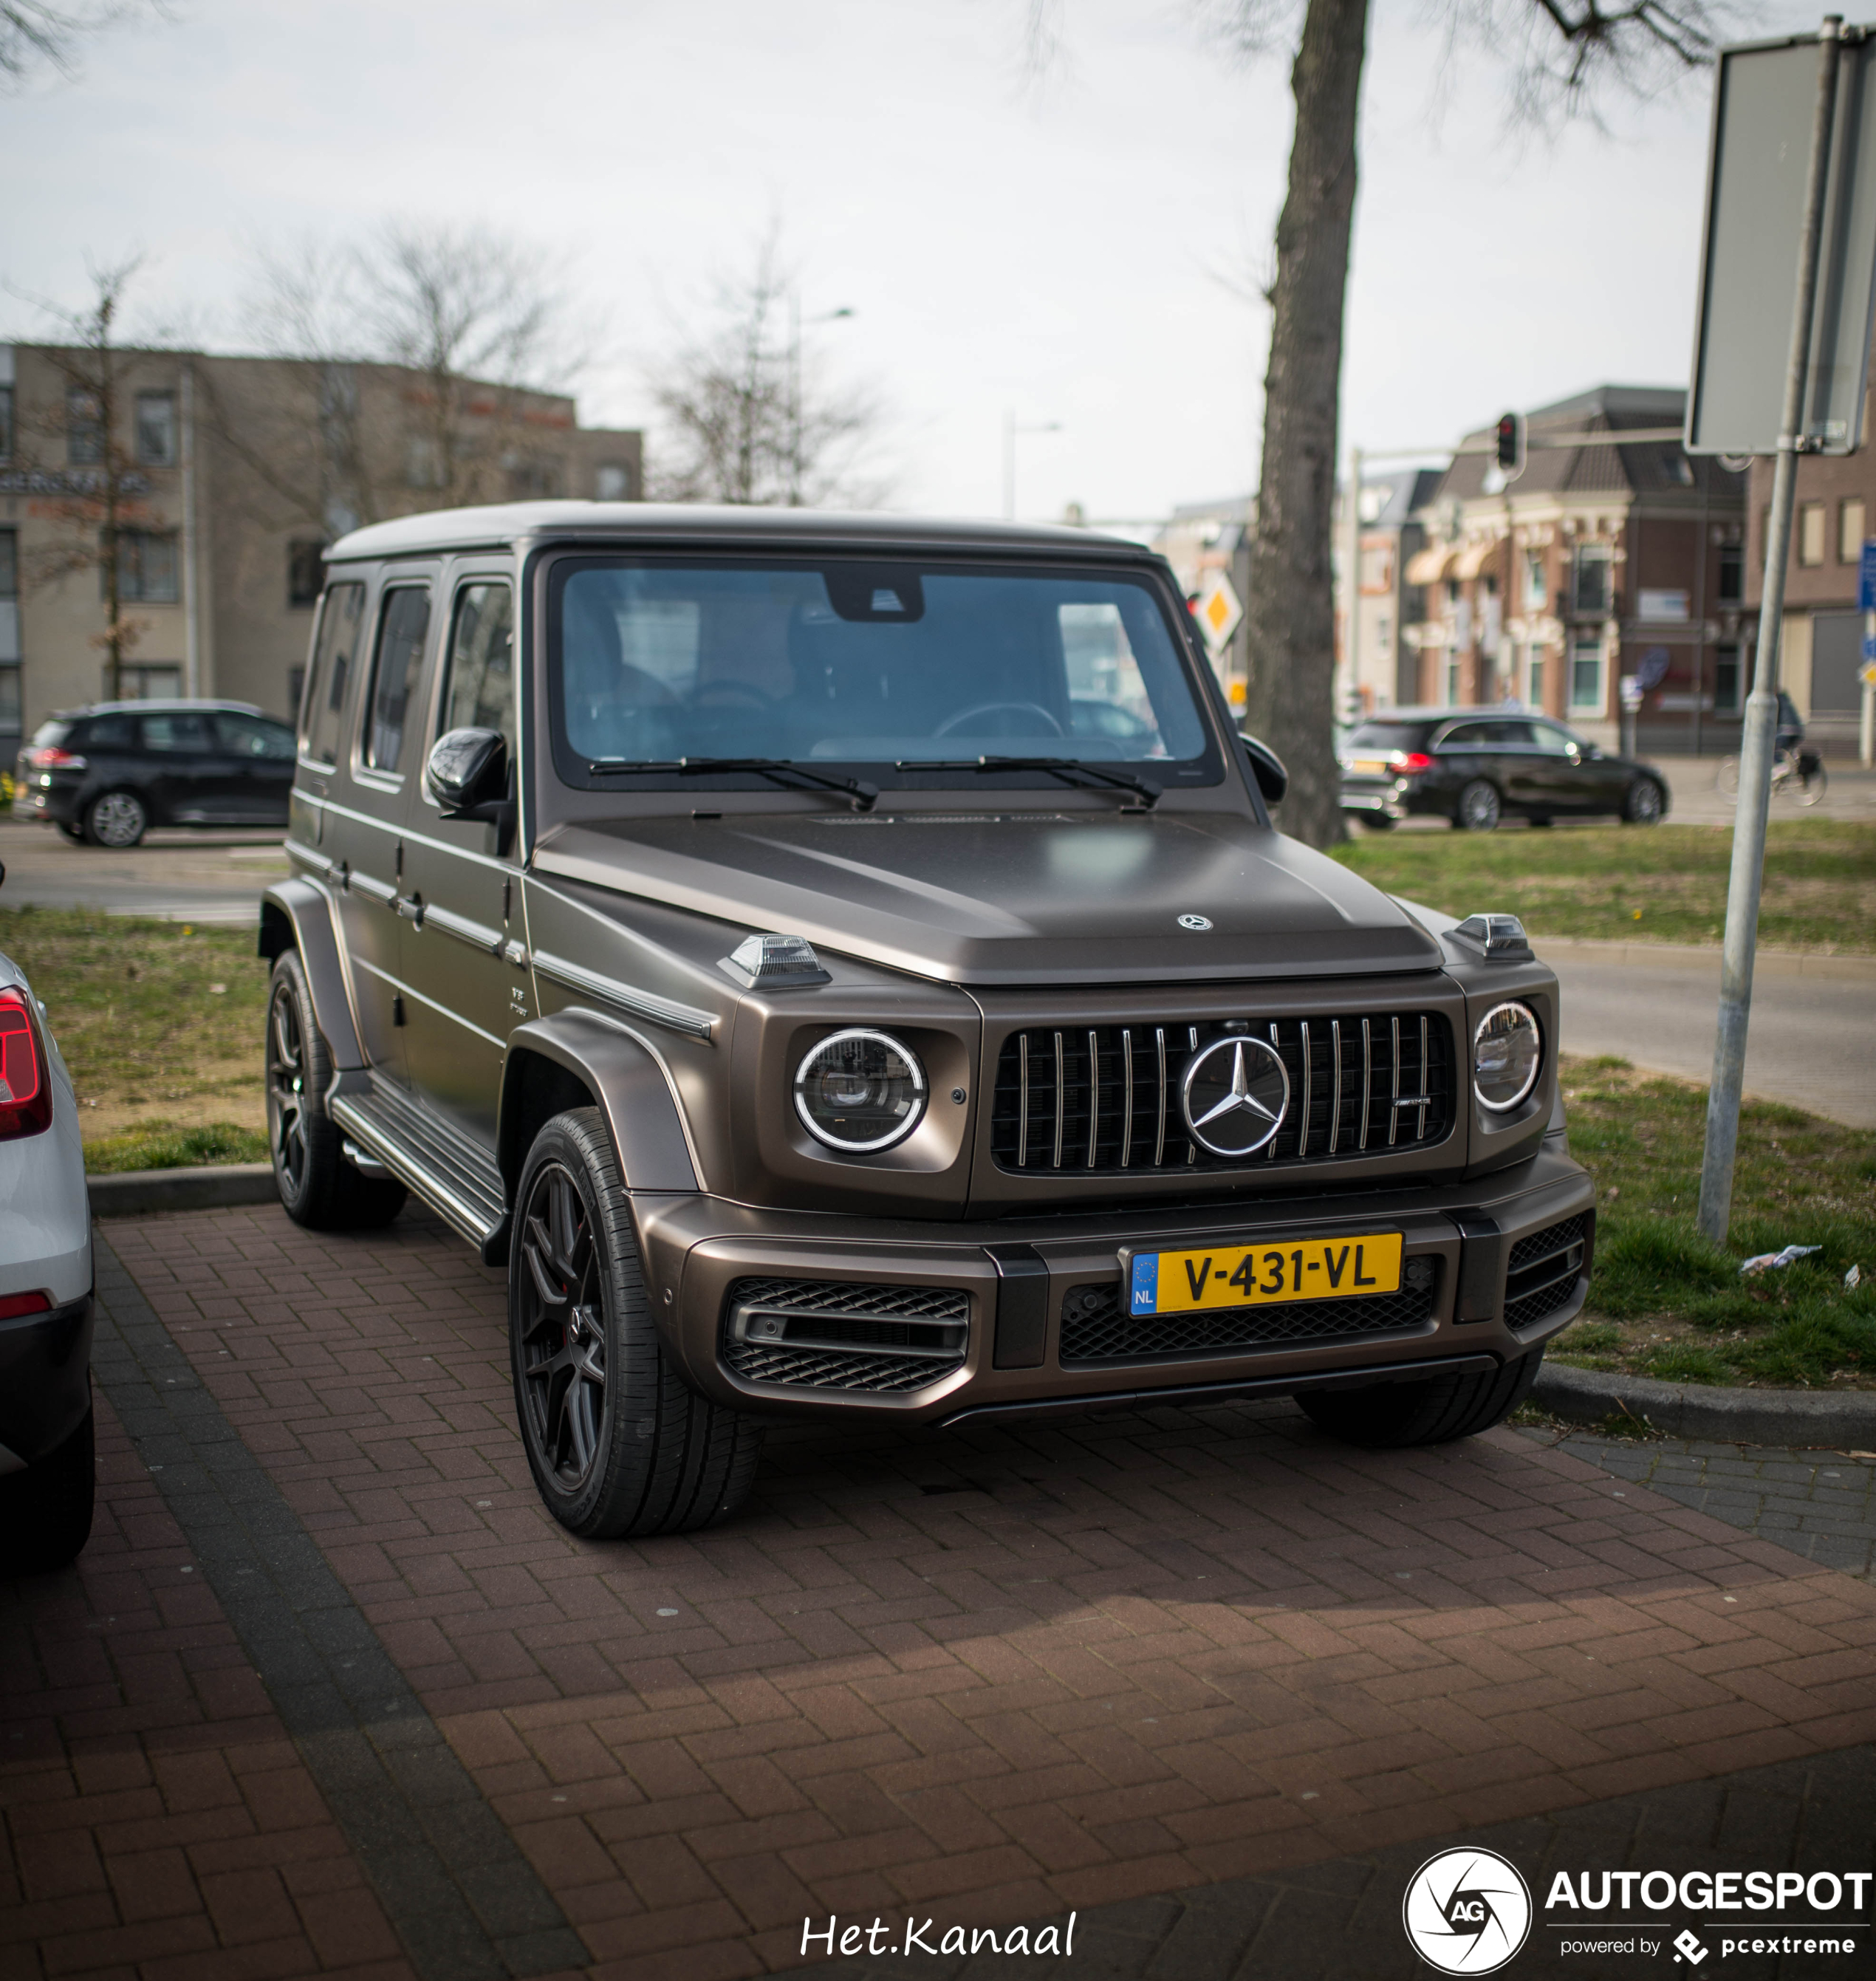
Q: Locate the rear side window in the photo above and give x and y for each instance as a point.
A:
(254, 736)
(51, 735)
(478, 687)
(1385, 738)
(109, 732)
(178, 733)
(402, 627)
(334, 658)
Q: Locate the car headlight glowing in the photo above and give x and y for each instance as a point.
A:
(859, 1091)
(1507, 1051)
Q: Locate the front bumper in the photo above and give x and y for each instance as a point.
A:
(1025, 1289)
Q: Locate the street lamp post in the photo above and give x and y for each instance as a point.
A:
(1011, 429)
(795, 464)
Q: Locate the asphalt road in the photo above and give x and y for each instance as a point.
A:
(182, 877)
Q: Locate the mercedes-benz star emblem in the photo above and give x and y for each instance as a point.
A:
(1234, 1095)
(1197, 922)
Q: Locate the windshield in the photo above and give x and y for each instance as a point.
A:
(887, 666)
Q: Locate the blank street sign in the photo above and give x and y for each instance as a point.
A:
(1764, 98)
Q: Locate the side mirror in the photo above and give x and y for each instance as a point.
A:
(1267, 767)
(467, 772)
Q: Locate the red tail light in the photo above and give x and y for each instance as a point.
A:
(13, 1305)
(1410, 761)
(25, 1093)
(56, 760)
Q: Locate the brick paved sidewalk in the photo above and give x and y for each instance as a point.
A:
(993, 1674)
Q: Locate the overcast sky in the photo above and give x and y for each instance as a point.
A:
(1057, 252)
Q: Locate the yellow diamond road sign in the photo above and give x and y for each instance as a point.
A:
(1219, 610)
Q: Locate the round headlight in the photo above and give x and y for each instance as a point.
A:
(1507, 1052)
(859, 1091)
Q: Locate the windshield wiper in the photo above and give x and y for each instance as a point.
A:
(778, 770)
(1089, 776)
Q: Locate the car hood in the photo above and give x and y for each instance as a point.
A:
(1016, 898)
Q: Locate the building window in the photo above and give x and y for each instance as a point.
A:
(147, 565)
(306, 573)
(1534, 675)
(9, 564)
(1811, 533)
(1586, 694)
(1593, 593)
(423, 463)
(6, 423)
(156, 680)
(9, 700)
(1726, 681)
(84, 428)
(156, 429)
(1732, 573)
(612, 482)
(1454, 673)
(1537, 591)
(1850, 530)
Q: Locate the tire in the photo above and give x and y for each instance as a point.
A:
(1539, 820)
(618, 1444)
(318, 1187)
(1726, 778)
(1645, 803)
(45, 1511)
(117, 819)
(1386, 1417)
(1809, 788)
(1478, 809)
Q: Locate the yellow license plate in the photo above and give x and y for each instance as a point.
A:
(1368, 766)
(1255, 1275)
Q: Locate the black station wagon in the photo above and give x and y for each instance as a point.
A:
(845, 968)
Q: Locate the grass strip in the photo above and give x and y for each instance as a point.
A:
(1667, 883)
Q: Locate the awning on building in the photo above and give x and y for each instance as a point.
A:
(1429, 567)
(1474, 557)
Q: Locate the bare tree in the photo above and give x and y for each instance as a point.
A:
(102, 501)
(33, 34)
(1559, 55)
(482, 319)
(747, 418)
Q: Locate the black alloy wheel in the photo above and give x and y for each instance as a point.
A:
(1644, 805)
(318, 1187)
(618, 1443)
(1478, 808)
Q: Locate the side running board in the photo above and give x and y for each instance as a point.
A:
(454, 1175)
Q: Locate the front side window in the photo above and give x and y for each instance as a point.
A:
(478, 687)
(84, 428)
(253, 736)
(334, 656)
(403, 626)
(887, 667)
(181, 732)
(148, 571)
(156, 429)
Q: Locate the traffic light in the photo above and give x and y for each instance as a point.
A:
(1510, 448)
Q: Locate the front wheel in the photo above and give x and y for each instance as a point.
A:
(618, 1443)
(117, 820)
(1386, 1416)
(1726, 778)
(1478, 809)
(1808, 785)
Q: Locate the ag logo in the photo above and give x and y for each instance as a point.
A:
(1466, 1912)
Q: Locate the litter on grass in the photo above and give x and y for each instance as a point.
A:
(1766, 1262)
(1853, 1279)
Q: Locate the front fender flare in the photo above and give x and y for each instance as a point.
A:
(296, 913)
(625, 1078)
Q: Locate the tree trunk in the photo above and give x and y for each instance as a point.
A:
(1291, 610)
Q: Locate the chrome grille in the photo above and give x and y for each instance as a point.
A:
(1106, 1098)
(1095, 1327)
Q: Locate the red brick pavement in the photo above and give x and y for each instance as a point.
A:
(156, 1819)
(990, 1674)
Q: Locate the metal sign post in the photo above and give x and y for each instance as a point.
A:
(1755, 755)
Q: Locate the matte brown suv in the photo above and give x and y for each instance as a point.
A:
(845, 967)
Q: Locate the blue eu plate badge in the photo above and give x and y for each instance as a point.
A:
(1146, 1298)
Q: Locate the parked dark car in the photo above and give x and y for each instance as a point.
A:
(844, 968)
(1475, 767)
(107, 774)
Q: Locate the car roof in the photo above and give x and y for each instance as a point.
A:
(170, 707)
(1495, 712)
(499, 525)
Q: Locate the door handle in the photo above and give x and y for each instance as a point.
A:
(411, 906)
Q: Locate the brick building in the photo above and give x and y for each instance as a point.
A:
(1382, 669)
(1609, 557)
(228, 476)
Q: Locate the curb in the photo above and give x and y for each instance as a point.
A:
(207, 1188)
(1766, 962)
(1838, 1421)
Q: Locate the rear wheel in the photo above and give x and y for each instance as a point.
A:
(1387, 1416)
(1478, 808)
(45, 1511)
(1643, 806)
(117, 819)
(1810, 781)
(1726, 778)
(318, 1187)
(618, 1443)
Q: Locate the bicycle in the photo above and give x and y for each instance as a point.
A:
(1798, 774)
